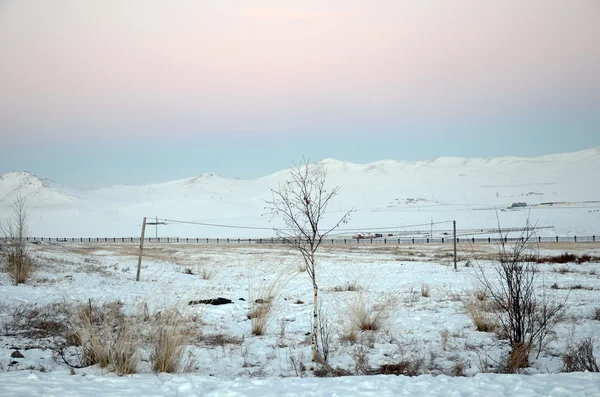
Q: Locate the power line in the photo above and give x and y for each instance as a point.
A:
(287, 229)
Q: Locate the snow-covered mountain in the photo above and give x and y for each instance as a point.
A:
(383, 193)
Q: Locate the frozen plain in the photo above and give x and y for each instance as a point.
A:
(472, 191)
(387, 278)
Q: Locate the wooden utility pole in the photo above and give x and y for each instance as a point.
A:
(454, 227)
(137, 275)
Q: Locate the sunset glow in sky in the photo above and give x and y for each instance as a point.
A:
(92, 89)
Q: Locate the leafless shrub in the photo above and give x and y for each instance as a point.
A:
(324, 336)
(15, 258)
(525, 319)
(579, 357)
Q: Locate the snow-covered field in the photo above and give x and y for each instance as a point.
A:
(434, 333)
(387, 194)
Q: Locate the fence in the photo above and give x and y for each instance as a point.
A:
(331, 241)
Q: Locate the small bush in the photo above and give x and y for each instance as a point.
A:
(20, 266)
(425, 290)
(579, 357)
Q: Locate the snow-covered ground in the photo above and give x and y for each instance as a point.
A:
(384, 194)
(434, 333)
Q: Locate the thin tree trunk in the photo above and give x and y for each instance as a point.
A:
(315, 348)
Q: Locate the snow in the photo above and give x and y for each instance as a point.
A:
(472, 191)
(386, 277)
(60, 383)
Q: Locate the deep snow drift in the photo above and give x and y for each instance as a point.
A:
(560, 191)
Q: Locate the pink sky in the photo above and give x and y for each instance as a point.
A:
(101, 67)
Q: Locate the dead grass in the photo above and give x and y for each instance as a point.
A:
(262, 299)
(478, 311)
(108, 337)
(206, 273)
(425, 290)
(362, 317)
(169, 339)
(19, 265)
(579, 357)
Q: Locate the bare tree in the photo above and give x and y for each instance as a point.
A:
(302, 203)
(526, 318)
(18, 263)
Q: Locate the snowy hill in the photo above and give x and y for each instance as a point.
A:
(383, 193)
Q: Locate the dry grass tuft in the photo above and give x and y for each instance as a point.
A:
(445, 334)
(349, 336)
(262, 301)
(478, 312)
(206, 273)
(518, 358)
(362, 317)
(425, 290)
(169, 339)
(108, 337)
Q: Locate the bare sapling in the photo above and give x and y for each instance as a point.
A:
(301, 202)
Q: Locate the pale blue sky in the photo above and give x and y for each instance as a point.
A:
(138, 91)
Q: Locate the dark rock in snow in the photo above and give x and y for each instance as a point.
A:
(17, 354)
(215, 301)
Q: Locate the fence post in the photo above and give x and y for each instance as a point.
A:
(557, 239)
(489, 240)
(344, 241)
(427, 240)
(575, 238)
(413, 240)
(594, 237)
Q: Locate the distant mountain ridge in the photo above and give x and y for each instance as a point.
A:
(397, 191)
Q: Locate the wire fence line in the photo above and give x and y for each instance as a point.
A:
(328, 241)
